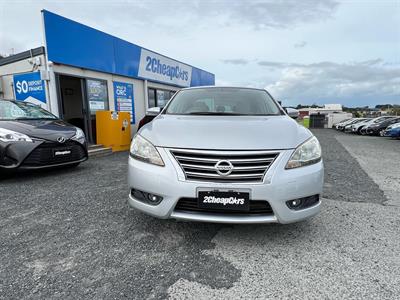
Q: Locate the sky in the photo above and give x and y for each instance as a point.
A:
(302, 52)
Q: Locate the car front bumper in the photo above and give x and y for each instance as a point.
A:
(348, 129)
(391, 133)
(279, 186)
(40, 154)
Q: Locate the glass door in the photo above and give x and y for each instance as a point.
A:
(97, 99)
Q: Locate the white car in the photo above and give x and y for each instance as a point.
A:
(348, 128)
(341, 125)
(228, 155)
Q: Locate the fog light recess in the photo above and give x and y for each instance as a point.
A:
(148, 198)
(302, 203)
(294, 203)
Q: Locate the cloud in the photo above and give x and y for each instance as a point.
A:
(301, 44)
(259, 14)
(183, 20)
(221, 82)
(11, 45)
(371, 79)
(274, 14)
(183, 16)
(236, 61)
(278, 65)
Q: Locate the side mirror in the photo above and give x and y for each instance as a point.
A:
(154, 111)
(293, 113)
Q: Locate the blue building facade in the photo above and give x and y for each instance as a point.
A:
(74, 44)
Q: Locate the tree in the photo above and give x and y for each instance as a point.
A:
(384, 106)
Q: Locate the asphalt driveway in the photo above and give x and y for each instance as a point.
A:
(69, 234)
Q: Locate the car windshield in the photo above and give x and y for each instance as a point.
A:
(354, 121)
(223, 101)
(10, 111)
(383, 119)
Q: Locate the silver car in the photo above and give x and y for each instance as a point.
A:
(226, 155)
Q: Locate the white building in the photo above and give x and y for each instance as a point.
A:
(326, 116)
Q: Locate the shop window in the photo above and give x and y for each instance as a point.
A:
(152, 98)
(158, 97)
(162, 97)
(97, 95)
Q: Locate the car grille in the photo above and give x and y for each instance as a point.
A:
(257, 207)
(44, 154)
(247, 166)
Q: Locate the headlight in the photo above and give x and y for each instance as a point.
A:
(79, 134)
(142, 149)
(12, 136)
(306, 154)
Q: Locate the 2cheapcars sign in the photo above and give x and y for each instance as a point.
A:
(30, 87)
(163, 69)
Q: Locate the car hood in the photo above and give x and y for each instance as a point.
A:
(225, 132)
(41, 129)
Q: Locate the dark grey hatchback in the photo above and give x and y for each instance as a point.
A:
(33, 138)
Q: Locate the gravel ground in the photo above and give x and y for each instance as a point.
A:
(345, 180)
(69, 234)
(382, 166)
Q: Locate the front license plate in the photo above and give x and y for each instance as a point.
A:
(61, 152)
(230, 200)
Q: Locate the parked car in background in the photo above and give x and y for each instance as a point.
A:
(392, 131)
(33, 138)
(373, 122)
(151, 113)
(376, 128)
(352, 121)
(348, 127)
(356, 128)
(338, 123)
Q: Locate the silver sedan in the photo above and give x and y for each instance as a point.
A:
(227, 155)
